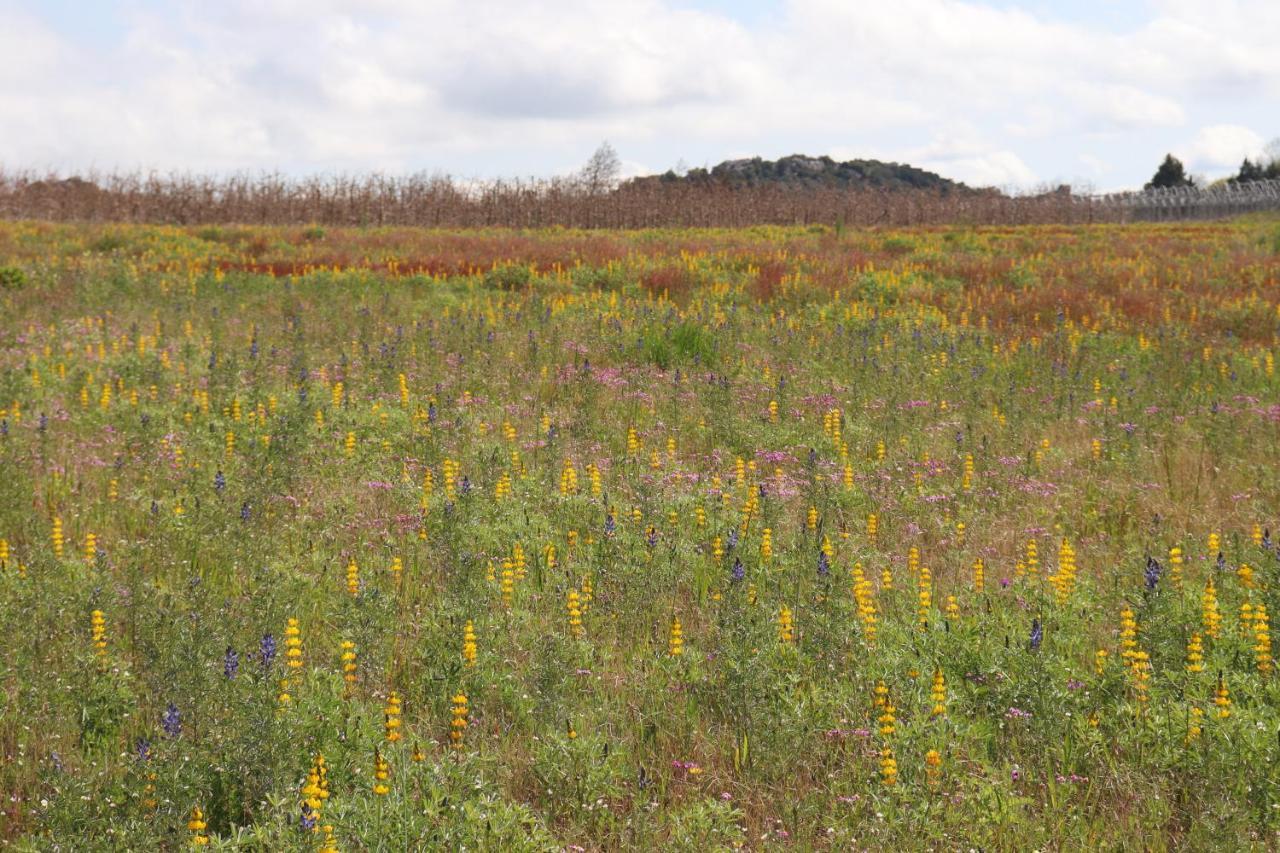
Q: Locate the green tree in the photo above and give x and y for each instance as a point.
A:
(1249, 171)
(1170, 174)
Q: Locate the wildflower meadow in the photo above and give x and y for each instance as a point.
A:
(346, 539)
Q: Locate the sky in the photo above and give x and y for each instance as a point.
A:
(1010, 93)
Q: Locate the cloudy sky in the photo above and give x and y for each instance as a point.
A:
(1005, 92)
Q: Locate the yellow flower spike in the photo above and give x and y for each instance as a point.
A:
(98, 623)
(676, 645)
(1245, 575)
(888, 767)
(349, 666)
(196, 824)
(56, 537)
(391, 717)
(866, 604)
(1195, 654)
(1210, 617)
(786, 627)
(353, 578)
(1128, 634)
(469, 644)
(573, 606)
(1262, 640)
(924, 597)
(381, 774)
(508, 584)
(1222, 698)
(458, 723)
(933, 768)
(293, 644)
(938, 693)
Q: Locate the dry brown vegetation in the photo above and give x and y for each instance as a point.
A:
(438, 201)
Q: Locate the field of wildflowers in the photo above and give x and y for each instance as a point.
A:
(772, 538)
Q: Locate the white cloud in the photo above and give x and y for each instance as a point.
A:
(1221, 146)
(985, 94)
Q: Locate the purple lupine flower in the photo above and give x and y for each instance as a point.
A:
(1037, 634)
(219, 481)
(738, 572)
(267, 650)
(824, 565)
(1222, 562)
(610, 526)
(1151, 575)
(308, 821)
(143, 749)
(230, 663)
(732, 541)
(1266, 539)
(44, 422)
(431, 413)
(466, 485)
(651, 536)
(171, 721)
(244, 511)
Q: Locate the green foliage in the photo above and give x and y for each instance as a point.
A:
(509, 277)
(12, 278)
(798, 170)
(686, 343)
(706, 824)
(898, 246)
(1170, 174)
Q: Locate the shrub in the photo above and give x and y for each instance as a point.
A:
(509, 277)
(12, 278)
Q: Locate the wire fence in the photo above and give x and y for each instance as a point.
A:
(1174, 203)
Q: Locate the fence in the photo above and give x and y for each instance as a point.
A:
(1173, 203)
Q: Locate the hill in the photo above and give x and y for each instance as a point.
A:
(801, 171)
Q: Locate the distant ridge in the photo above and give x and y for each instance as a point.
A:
(802, 172)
